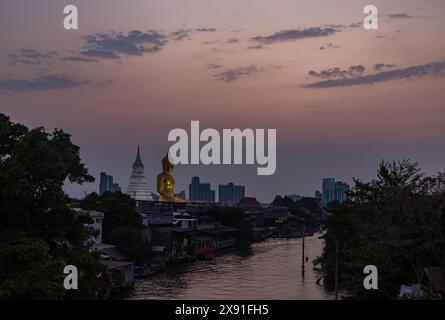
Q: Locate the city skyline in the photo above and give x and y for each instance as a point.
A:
(341, 98)
(106, 183)
(230, 190)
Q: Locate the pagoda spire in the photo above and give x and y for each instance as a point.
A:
(138, 161)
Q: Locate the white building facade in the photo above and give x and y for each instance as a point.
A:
(138, 186)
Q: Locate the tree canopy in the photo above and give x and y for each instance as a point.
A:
(122, 224)
(395, 222)
(40, 233)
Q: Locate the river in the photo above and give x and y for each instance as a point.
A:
(269, 270)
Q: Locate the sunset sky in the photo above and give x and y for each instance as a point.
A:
(341, 98)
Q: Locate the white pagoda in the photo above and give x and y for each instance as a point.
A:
(138, 187)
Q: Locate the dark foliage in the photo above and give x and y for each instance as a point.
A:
(122, 224)
(40, 233)
(395, 222)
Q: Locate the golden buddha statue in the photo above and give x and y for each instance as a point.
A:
(166, 183)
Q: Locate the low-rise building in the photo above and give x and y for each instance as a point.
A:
(223, 237)
(249, 203)
(96, 217)
(175, 240)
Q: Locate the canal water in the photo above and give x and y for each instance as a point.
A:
(268, 270)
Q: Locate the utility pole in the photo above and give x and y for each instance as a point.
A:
(336, 269)
(302, 251)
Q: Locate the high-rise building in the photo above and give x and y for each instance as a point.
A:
(181, 195)
(230, 193)
(103, 183)
(200, 191)
(116, 188)
(106, 184)
(334, 190)
(138, 186)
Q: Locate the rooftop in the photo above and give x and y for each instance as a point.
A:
(249, 202)
(219, 229)
(116, 264)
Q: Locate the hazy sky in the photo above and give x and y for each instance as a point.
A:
(341, 98)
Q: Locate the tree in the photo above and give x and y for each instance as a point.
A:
(34, 211)
(279, 201)
(312, 205)
(395, 222)
(306, 209)
(122, 224)
(18, 280)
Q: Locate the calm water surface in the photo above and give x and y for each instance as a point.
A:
(269, 270)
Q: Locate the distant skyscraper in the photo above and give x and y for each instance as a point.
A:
(200, 191)
(106, 184)
(103, 183)
(230, 193)
(334, 190)
(116, 188)
(181, 195)
(110, 183)
(138, 186)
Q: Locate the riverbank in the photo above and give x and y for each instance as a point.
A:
(268, 270)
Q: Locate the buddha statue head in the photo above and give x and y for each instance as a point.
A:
(167, 166)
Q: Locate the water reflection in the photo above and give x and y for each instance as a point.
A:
(266, 270)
